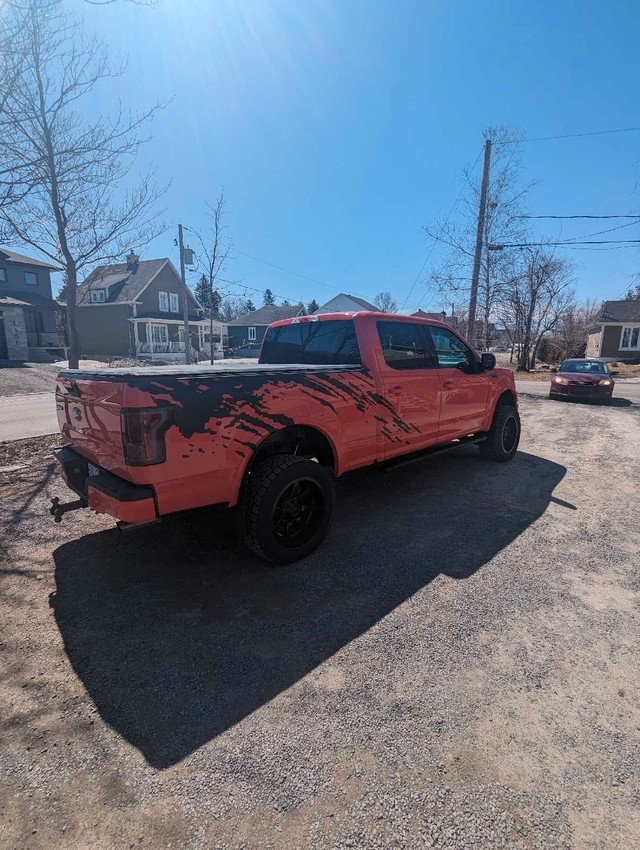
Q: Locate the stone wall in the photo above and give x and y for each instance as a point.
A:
(15, 331)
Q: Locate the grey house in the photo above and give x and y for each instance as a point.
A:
(616, 332)
(247, 331)
(27, 310)
(344, 303)
(134, 309)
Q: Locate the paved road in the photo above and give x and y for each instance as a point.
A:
(35, 415)
(27, 416)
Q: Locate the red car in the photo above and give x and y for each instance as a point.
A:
(583, 379)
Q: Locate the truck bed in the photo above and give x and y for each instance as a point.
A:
(202, 370)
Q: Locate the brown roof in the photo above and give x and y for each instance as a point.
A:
(7, 256)
(267, 315)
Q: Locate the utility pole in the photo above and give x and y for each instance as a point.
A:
(185, 301)
(482, 210)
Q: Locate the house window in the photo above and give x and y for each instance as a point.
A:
(31, 278)
(97, 296)
(163, 300)
(3, 275)
(252, 334)
(159, 333)
(174, 304)
(630, 338)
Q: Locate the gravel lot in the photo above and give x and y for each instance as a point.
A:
(457, 667)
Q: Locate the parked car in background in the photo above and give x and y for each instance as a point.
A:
(588, 379)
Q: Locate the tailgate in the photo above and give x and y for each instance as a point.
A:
(89, 419)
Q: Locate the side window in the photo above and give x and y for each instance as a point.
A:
(31, 278)
(163, 302)
(173, 302)
(451, 351)
(3, 275)
(252, 334)
(404, 345)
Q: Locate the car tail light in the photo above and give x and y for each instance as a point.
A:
(143, 434)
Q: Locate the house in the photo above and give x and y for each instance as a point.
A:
(344, 303)
(248, 330)
(452, 321)
(135, 309)
(616, 331)
(27, 310)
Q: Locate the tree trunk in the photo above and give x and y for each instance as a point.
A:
(211, 333)
(72, 327)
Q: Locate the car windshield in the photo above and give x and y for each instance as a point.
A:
(584, 366)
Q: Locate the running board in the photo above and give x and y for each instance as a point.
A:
(387, 466)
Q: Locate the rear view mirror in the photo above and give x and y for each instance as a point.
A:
(487, 361)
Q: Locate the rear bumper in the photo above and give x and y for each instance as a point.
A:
(106, 493)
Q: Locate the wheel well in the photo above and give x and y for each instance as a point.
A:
(302, 440)
(507, 397)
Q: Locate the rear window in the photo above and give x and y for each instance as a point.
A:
(327, 343)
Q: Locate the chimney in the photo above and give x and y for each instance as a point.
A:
(132, 261)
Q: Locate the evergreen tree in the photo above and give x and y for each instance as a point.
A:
(268, 298)
(249, 306)
(203, 293)
(312, 306)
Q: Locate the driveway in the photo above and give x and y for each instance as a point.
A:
(456, 667)
(31, 415)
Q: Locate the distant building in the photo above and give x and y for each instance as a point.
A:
(452, 321)
(616, 331)
(27, 310)
(248, 330)
(344, 303)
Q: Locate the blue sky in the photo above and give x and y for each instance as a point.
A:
(338, 128)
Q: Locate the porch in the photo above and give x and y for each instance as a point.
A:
(164, 339)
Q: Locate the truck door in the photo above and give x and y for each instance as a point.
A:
(410, 383)
(465, 390)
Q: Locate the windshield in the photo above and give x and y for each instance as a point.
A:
(584, 366)
(315, 343)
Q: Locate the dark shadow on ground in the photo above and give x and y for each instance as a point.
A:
(178, 632)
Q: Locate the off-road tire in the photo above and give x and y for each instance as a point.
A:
(494, 448)
(266, 484)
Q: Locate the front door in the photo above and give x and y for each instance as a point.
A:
(410, 387)
(465, 390)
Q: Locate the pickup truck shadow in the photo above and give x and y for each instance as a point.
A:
(178, 633)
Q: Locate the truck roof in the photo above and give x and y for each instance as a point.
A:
(360, 314)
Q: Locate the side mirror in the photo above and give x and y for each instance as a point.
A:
(487, 361)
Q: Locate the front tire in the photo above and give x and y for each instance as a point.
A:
(504, 435)
(289, 508)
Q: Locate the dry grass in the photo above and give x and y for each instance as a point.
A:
(625, 370)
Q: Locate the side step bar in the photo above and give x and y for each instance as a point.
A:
(394, 463)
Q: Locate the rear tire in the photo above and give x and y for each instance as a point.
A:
(504, 435)
(289, 508)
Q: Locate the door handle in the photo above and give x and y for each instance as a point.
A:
(449, 384)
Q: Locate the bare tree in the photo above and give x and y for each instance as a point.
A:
(569, 338)
(61, 173)
(385, 302)
(536, 301)
(505, 204)
(216, 251)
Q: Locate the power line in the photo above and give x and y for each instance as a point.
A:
(581, 135)
(636, 217)
(629, 243)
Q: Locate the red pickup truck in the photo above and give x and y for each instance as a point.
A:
(329, 394)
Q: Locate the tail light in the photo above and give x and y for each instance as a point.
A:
(143, 434)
